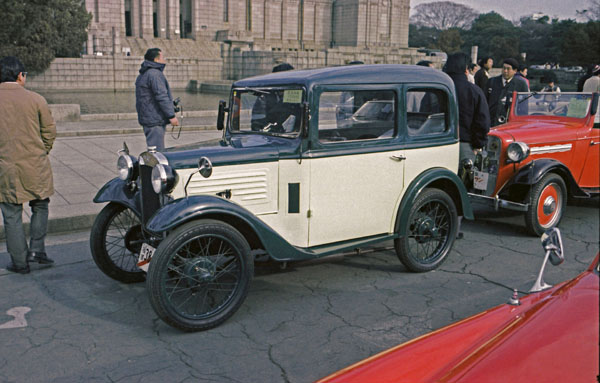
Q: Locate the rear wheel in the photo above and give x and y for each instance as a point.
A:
(115, 242)
(200, 275)
(547, 203)
(430, 231)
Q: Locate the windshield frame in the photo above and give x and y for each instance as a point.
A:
(266, 89)
(547, 99)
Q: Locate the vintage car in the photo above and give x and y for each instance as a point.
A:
(286, 183)
(547, 152)
(550, 335)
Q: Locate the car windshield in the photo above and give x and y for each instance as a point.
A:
(267, 111)
(575, 105)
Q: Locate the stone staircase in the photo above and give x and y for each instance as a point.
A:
(181, 48)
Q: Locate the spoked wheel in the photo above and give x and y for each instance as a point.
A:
(546, 205)
(115, 243)
(200, 275)
(430, 232)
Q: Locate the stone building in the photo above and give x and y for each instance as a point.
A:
(210, 41)
(255, 24)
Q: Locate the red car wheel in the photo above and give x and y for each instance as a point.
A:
(547, 204)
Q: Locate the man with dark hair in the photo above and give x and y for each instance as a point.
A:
(153, 100)
(500, 88)
(282, 67)
(482, 76)
(425, 63)
(522, 73)
(27, 133)
(473, 115)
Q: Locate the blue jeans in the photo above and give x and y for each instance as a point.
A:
(16, 242)
(155, 136)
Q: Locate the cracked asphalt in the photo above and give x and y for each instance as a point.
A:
(296, 325)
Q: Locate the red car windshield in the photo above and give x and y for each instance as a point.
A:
(574, 105)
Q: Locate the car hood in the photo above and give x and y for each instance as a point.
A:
(539, 132)
(551, 336)
(239, 149)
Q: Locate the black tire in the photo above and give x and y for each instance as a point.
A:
(115, 237)
(430, 232)
(199, 275)
(547, 203)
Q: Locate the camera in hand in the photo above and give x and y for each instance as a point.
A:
(176, 106)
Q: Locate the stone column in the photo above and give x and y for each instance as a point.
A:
(145, 19)
(172, 19)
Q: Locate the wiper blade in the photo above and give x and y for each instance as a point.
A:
(528, 97)
(254, 90)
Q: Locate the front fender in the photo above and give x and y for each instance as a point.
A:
(441, 178)
(183, 210)
(534, 171)
(117, 190)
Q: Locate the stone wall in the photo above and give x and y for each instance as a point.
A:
(120, 72)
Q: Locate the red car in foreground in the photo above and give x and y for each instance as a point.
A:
(549, 336)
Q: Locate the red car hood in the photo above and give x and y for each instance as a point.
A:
(553, 336)
(535, 131)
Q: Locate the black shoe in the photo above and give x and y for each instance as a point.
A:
(20, 270)
(39, 257)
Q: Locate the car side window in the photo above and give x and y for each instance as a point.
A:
(357, 115)
(426, 112)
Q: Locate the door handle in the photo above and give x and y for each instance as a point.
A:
(398, 158)
(592, 143)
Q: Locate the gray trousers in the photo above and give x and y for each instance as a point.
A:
(155, 136)
(16, 242)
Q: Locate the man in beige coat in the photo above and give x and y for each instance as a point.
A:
(27, 133)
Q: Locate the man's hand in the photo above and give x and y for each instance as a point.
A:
(174, 121)
(477, 151)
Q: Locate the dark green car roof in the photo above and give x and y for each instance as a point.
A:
(352, 74)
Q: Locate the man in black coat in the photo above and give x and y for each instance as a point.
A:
(500, 89)
(473, 117)
(153, 100)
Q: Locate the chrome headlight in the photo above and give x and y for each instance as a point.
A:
(164, 179)
(517, 152)
(127, 167)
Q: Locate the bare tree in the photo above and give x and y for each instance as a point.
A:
(444, 14)
(592, 12)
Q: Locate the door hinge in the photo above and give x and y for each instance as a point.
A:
(309, 213)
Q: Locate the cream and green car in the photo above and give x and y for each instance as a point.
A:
(291, 179)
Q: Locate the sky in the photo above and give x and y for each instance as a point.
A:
(514, 9)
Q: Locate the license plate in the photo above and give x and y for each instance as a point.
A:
(145, 256)
(480, 180)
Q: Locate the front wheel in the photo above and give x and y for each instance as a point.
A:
(115, 241)
(200, 275)
(430, 231)
(547, 203)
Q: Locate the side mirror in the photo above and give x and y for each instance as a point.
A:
(221, 115)
(552, 243)
(305, 119)
(595, 98)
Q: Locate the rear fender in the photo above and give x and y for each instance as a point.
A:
(442, 179)
(117, 190)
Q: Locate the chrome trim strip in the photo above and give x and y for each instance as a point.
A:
(551, 149)
(498, 203)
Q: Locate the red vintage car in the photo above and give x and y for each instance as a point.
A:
(547, 336)
(547, 152)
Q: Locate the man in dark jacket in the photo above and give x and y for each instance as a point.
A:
(473, 117)
(153, 100)
(500, 89)
(482, 76)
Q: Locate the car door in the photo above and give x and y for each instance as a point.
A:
(590, 176)
(356, 164)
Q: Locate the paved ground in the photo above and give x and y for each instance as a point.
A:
(84, 158)
(71, 323)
